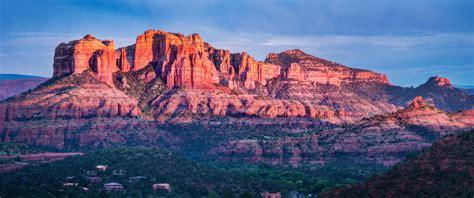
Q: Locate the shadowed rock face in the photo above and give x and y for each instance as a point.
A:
(122, 60)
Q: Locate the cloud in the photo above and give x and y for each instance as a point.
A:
(37, 38)
(55, 38)
(396, 42)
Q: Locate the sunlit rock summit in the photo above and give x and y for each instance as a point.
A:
(101, 95)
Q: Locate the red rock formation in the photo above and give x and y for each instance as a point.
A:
(417, 102)
(87, 53)
(382, 138)
(241, 70)
(251, 71)
(183, 61)
(67, 100)
(322, 71)
(145, 50)
(69, 133)
(180, 104)
(438, 81)
(122, 61)
(222, 60)
(217, 83)
(295, 72)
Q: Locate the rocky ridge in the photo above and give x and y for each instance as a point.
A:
(384, 139)
(236, 83)
(99, 92)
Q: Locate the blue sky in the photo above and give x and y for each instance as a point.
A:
(408, 40)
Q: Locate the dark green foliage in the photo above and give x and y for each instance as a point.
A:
(187, 178)
(133, 84)
(12, 149)
(443, 170)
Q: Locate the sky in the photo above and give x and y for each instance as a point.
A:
(407, 40)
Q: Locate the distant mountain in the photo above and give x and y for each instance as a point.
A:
(13, 84)
(16, 77)
(469, 89)
(446, 169)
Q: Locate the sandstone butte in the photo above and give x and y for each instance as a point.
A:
(189, 62)
(99, 92)
(204, 81)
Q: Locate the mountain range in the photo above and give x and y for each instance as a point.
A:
(181, 93)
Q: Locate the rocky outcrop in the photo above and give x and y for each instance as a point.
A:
(87, 53)
(70, 97)
(384, 139)
(122, 60)
(321, 71)
(186, 105)
(295, 72)
(75, 133)
(417, 103)
(438, 81)
(438, 91)
(240, 70)
(251, 71)
(171, 78)
(182, 61)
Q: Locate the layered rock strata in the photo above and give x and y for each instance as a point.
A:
(384, 139)
(87, 53)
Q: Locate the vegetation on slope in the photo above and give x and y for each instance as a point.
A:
(444, 170)
(187, 178)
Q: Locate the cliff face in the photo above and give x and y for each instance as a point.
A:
(122, 60)
(168, 77)
(182, 61)
(87, 53)
(292, 76)
(304, 67)
(188, 62)
(383, 139)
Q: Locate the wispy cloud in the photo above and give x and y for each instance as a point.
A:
(395, 42)
(38, 38)
(55, 38)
